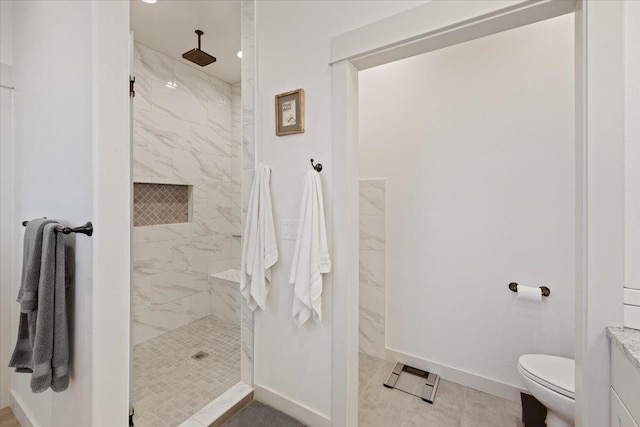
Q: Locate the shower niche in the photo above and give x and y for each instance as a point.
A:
(157, 204)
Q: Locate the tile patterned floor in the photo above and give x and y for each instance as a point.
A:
(455, 405)
(169, 386)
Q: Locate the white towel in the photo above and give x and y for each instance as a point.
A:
(259, 249)
(311, 258)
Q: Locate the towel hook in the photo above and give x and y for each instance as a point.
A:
(317, 166)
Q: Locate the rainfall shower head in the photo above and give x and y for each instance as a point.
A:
(197, 56)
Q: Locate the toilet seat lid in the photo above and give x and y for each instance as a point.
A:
(554, 372)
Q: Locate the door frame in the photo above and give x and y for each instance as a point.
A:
(599, 216)
(112, 201)
(110, 333)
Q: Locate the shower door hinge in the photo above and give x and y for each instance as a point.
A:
(132, 91)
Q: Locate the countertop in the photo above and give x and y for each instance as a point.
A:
(627, 340)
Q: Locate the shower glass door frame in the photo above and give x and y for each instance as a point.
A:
(248, 96)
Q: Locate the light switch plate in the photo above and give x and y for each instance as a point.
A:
(289, 229)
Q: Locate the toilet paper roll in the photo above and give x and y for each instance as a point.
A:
(529, 293)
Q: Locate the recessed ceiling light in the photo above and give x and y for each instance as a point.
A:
(149, 1)
(239, 54)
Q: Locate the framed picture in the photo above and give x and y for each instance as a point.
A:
(290, 112)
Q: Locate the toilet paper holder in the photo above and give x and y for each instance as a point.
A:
(513, 286)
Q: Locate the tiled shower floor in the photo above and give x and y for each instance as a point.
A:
(169, 386)
(454, 405)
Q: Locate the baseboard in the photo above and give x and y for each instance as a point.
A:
(21, 415)
(459, 376)
(290, 407)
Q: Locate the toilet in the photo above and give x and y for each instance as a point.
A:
(551, 380)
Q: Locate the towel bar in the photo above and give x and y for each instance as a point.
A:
(513, 286)
(83, 229)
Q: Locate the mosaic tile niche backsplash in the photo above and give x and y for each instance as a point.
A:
(155, 204)
(183, 137)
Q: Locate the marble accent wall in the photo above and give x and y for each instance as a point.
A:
(236, 197)
(372, 267)
(248, 165)
(182, 134)
(225, 298)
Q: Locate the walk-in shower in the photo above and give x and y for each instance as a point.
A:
(186, 177)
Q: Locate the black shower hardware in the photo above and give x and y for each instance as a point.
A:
(83, 229)
(197, 56)
(317, 166)
(513, 286)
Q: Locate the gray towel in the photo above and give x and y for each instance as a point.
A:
(60, 348)
(22, 358)
(47, 331)
(31, 259)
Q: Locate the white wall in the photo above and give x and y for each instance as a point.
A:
(6, 28)
(632, 139)
(53, 173)
(477, 144)
(7, 299)
(632, 163)
(6, 161)
(291, 361)
(111, 241)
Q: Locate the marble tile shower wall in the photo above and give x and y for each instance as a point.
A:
(372, 267)
(236, 198)
(249, 65)
(182, 135)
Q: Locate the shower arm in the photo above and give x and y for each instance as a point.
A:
(199, 33)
